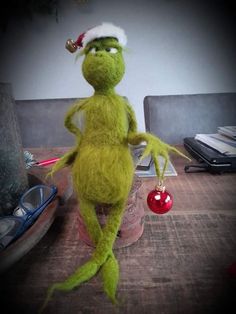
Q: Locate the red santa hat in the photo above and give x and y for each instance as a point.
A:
(100, 31)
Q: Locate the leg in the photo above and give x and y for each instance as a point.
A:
(110, 269)
(103, 253)
(87, 211)
(95, 232)
(105, 244)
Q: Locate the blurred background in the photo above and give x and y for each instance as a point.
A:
(174, 47)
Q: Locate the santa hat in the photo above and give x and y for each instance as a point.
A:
(100, 31)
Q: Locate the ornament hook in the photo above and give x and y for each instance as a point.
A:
(160, 187)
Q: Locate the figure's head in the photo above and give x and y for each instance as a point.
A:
(103, 66)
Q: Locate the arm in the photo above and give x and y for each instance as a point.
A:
(70, 156)
(155, 146)
(68, 119)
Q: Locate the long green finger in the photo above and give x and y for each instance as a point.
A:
(64, 161)
(175, 150)
(166, 158)
(157, 167)
(146, 152)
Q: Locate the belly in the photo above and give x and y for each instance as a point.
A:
(103, 174)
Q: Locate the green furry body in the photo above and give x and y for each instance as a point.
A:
(101, 162)
(103, 169)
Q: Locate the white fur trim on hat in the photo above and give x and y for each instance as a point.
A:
(105, 30)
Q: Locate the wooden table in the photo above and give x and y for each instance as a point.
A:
(191, 191)
(176, 266)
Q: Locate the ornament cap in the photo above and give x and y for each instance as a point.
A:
(71, 45)
(160, 187)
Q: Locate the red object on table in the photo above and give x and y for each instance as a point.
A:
(160, 201)
(47, 162)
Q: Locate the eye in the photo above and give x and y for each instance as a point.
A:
(111, 50)
(93, 50)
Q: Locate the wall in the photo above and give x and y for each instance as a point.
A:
(174, 47)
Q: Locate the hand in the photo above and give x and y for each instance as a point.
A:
(156, 148)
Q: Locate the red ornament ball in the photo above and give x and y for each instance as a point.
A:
(160, 201)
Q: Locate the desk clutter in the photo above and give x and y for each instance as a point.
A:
(31, 205)
(215, 152)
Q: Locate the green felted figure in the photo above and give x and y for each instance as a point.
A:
(101, 162)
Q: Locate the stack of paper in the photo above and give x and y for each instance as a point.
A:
(229, 131)
(219, 142)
